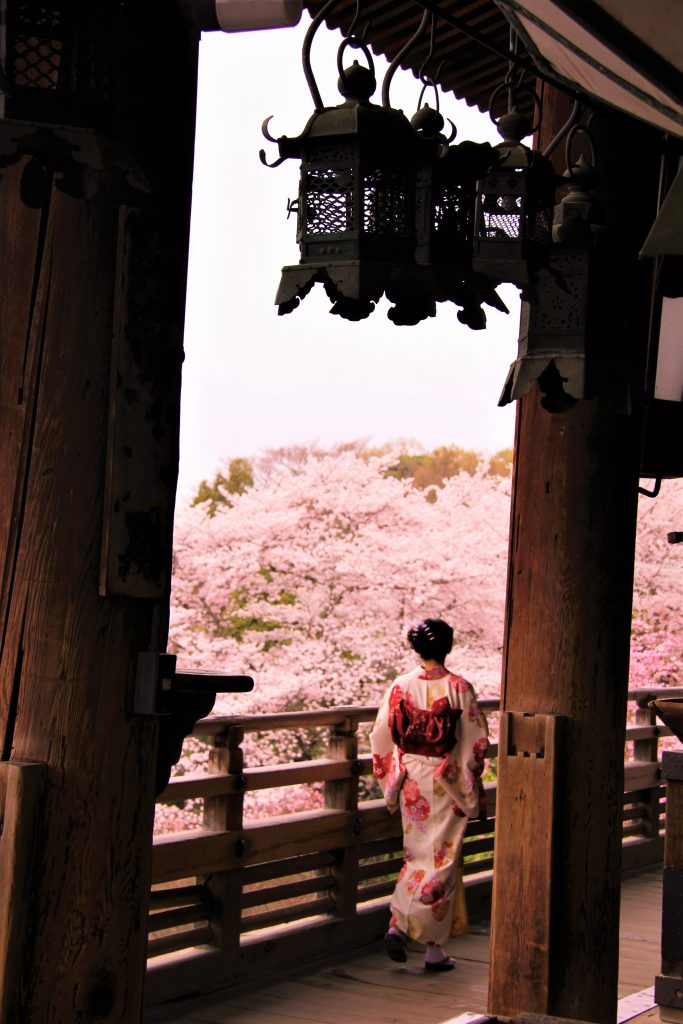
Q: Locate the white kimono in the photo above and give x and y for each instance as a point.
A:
(436, 795)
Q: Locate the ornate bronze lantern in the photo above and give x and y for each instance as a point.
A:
(514, 208)
(446, 186)
(56, 65)
(553, 330)
(61, 101)
(356, 203)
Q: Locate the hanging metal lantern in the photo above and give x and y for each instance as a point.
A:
(446, 187)
(514, 209)
(356, 203)
(61, 100)
(553, 329)
(57, 60)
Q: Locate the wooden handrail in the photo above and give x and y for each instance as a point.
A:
(321, 717)
(228, 885)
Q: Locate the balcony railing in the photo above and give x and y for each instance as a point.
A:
(235, 901)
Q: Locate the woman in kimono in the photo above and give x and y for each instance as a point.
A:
(428, 744)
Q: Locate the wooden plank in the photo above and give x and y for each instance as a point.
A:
(379, 867)
(182, 896)
(177, 916)
(74, 658)
(264, 955)
(342, 794)
(199, 784)
(20, 842)
(287, 891)
(315, 719)
(641, 775)
(212, 726)
(283, 915)
(570, 585)
(291, 866)
(225, 813)
(203, 852)
(179, 940)
(22, 229)
(673, 859)
(530, 753)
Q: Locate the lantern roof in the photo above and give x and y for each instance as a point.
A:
(468, 68)
(356, 118)
(621, 52)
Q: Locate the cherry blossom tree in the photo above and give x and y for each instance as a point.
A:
(309, 577)
(310, 582)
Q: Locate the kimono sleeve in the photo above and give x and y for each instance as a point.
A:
(387, 763)
(460, 771)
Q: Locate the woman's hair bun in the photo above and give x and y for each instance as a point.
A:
(431, 638)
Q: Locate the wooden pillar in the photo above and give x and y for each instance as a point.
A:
(92, 275)
(226, 813)
(566, 649)
(669, 983)
(342, 794)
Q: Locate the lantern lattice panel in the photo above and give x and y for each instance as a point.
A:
(36, 49)
(502, 217)
(59, 60)
(385, 205)
(328, 202)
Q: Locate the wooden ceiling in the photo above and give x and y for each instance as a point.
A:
(470, 69)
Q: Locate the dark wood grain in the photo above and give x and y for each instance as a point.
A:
(67, 651)
(568, 618)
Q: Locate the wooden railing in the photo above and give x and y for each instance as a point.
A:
(233, 902)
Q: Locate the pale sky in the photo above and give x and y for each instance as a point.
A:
(253, 379)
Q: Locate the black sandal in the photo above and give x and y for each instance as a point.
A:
(395, 947)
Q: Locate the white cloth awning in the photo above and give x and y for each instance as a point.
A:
(627, 53)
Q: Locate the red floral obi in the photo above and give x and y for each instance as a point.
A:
(430, 733)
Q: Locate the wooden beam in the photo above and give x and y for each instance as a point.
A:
(95, 267)
(21, 840)
(530, 749)
(568, 616)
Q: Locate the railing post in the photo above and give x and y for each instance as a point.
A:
(225, 813)
(648, 750)
(342, 794)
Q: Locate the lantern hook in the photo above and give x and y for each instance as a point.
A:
(571, 136)
(354, 43)
(429, 84)
(264, 161)
(262, 153)
(306, 53)
(351, 34)
(264, 129)
(513, 88)
(391, 70)
(654, 492)
(572, 120)
(422, 73)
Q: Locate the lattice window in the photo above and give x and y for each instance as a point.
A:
(328, 201)
(384, 203)
(502, 216)
(36, 49)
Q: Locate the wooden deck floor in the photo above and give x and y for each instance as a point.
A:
(369, 989)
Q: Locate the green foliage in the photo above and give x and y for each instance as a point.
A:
(427, 470)
(239, 479)
(430, 469)
(500, 464)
